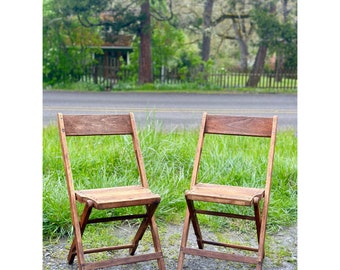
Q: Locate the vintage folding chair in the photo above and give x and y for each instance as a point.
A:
(108, 198)
(239, 196)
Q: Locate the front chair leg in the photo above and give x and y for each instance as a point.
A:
(259, 266)
(83, 222)
(184, 240)
(150, 210)
(157, 243)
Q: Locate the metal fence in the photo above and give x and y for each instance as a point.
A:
(108, 77)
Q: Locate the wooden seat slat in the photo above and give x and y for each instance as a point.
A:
(118, 196)
(224, 194)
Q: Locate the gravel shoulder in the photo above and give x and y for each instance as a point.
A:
(281, 251)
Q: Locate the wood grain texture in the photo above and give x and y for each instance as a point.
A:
(239, 125)
(89, 125)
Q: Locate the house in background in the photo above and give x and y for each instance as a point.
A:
(115, 48)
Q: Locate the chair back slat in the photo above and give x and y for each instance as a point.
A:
(91, 125)
(239, 125)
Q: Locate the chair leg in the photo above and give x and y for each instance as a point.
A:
(261, 252)
(150, 219)
(195, 224)
(259, 266)
(257, 218)
(83, 222)
(184, 240)
(157, 243)
(143, 226)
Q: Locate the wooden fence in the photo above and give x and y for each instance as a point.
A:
(108, 77)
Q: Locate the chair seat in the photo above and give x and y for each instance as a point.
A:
(224, 194)
(118, 196)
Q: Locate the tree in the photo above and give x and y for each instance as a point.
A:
(224, 32)
(267, 27)
(238, 14)
(218, 19)
(169, 50)
(277, 36)
(206, 40)
(65, 56)
(118, 17)
(145, 58)
(286, 47)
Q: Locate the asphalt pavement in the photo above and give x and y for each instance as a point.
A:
(170, 110)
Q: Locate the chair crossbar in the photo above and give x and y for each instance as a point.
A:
(220, 255)
(109, 219)
(121, 261)
(229, 245)
(221, 214)
(103, 249)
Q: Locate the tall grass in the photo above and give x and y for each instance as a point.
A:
(168, 158)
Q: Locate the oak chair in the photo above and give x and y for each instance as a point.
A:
(238, 196)
(108, 197)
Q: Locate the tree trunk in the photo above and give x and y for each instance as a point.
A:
(258, 66)
(243, 46)
(207, 14)
(280, 56)
(279, 67)
(145, 59)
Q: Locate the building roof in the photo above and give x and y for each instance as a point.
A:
(118, 41)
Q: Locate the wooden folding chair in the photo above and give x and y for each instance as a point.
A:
(108, 197)
(239, 196)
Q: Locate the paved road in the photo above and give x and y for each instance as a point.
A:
(170, 110)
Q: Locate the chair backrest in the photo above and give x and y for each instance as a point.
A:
(99, 125)
(92, 125)
(238, 126)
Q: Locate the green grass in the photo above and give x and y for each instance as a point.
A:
(168, 158)
(235, 84)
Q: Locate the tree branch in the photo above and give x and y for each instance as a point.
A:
(161, 16)
(229, 16)
(226, 36)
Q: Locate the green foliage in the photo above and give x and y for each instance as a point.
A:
(66, 53)
(267, 26)
(279, 37)
(69, 26)
(289, 45)
(132, 67)
(167, 42)
(168, 50)
(77, 86)
(168, 158)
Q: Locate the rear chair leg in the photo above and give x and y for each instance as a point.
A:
(258, 221)
(257, 218)
(195, 224)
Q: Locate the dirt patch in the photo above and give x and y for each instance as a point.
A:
(281, 251)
